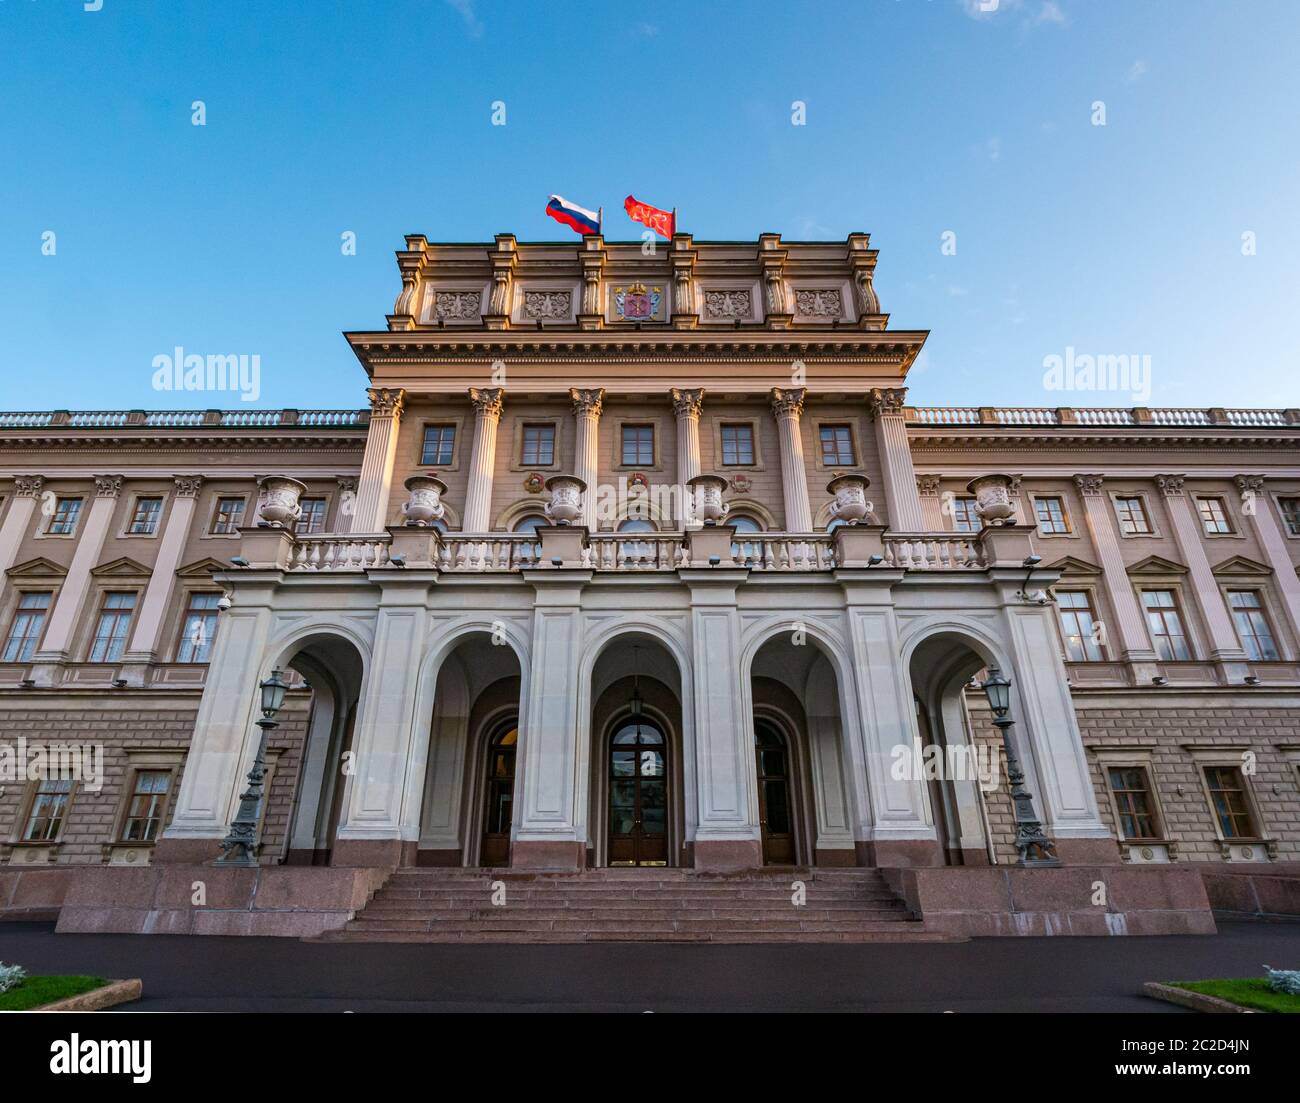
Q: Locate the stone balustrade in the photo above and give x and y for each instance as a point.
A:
(932, 551)
(179, 419)
(1142, 416)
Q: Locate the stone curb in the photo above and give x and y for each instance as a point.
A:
(1195, 1000)
(113, 993)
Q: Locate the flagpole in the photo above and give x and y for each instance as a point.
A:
(600, 221)
(674, 222)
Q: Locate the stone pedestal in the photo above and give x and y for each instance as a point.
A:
(709, 542)
(565, 543)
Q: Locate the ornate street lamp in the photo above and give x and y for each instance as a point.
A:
(1033, 846)
(239, 847)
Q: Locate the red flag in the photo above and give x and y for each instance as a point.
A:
(661, 222)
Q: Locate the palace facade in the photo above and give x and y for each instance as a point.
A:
(524, 629)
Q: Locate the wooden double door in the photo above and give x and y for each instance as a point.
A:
(638, 795)
(775, 795)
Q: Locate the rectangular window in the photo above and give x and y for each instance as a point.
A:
(1132, 514)
(737, 444)
(49, 807)
(837, 446)
(312, 518)
(228, 517)
(1252, 625)
(1078, 626)
(199, 629)
(638, 445)
(964, 518)
(144, 520)
(1165, 624)
(1291, 514)
(25, 631)
(66, 512)
(148, 803)
(1133, 802)
(1214, 518)
(539, 446)
(110, 632)
(439, 445)
(1051, 516)
(1228, 801)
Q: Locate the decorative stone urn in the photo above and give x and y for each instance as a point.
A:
(851, 505)
(280, 507)
(709, 506)
(565, 505)
(993, 503)
(425, 503)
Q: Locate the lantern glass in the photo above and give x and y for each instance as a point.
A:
(998, 690)
(273, 691)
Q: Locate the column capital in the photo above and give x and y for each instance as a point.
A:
(346, 483)
(385, 401)
(1089, 485)
(188, 486)
(1171, 486)
(928, 485)
(488, 400)
(1253, 484)
(886, 401)
(108, 486)
(788, 402)
(28, 486)
(587, 401)
(687, 402)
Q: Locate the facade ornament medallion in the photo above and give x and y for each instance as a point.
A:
(28, 486)
(424, 506)
(1089, 485)
(993, 503)
(534, 482)
(741, 483)
(851, 505)
(565, 505)
(280, 507)
(548, 305)
(687, 402)
(385, 401)
(788, 402)
(638, 302)
(188, 486)
(819, 303)
(108, 486)
(457, 306)
(488, 401)
(886, 401)
(709, 506)
(729, 304)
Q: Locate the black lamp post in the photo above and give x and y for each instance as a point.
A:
(1033, 846)
(239, 847)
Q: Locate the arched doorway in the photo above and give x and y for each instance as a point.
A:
(638, 795)
(803, 774)
(499, 796)
(775, 795)
(637, 806)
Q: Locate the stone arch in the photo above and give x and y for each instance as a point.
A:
(516, 511)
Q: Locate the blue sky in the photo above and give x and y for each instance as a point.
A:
(923, 116)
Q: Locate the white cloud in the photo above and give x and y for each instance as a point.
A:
(1136, 71)
(473, 25)
(1033, 13)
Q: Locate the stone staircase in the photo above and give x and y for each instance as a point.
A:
(634, 905)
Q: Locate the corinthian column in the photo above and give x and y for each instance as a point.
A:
(686, 405)
(586, 452)
(27, 488)
(377, 462)
(787, 405)
(478, 498)
(902, 497)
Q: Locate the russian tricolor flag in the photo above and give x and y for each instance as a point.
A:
(576, 218)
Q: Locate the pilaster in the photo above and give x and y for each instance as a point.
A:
(902, 498)
(18, 521)
(370, 511)
(586, 457)
(787, 406)
(478, 497)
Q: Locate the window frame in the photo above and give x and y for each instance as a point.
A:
(324, 500)
(130, 518)
(16, 611)
(821, 426)
(967, 510)
(1222, 501)
(1066, 519)
(1090, 598)
(185, 609)
(1204, 766)
(1154, 812)
(47, 530)
(22, 823)
(755, 435)
(530, 425)
(454, 424)
(1116, 496)
(209, 531)
(1177, 608)
(1265, 614)
(1280, 501)
(636, 424)
(735, 426)
(129, 624)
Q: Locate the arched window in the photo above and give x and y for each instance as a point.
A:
(745, 553)
(636, 524)
(529, 522)
(530, 554)
(635, 550)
